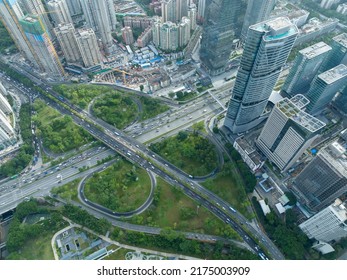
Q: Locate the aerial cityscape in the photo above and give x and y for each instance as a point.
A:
(173, 129)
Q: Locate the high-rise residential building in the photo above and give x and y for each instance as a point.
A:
(5, 107)
(59, 12)
(218, 34)
(338, 53)
(101, 17)
(324, 87)
(74, 7)
(326, 4)
(192, 16)
(342, 9)
(324, 179)
(145, 37)
(5, 125)
(174, 10)
(201, 10)
(156, 32)
(127, 35)
(7, 134)
(88, 46)
(169, 39)
(341, 102)
(10, 13)
(267, 47)
(42, 44)
(257, 11)
(184, 32)
(65, 34)
(36, 7)
(305, 68)
(328, 225)
(288, 132)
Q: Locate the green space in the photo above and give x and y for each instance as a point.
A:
(68, 191)
(190, 152)
(248, 178)
(183, 95)
(26, 151)
(122, 187)
(171, 208)
(59, 133)
(119, 254)
(229, 186)
(82, 95)
(151, 107)
(174, 242)
(33, 241)
(115, 109)
(285, 233)
(6, 43)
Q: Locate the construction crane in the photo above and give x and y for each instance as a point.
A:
(123, 72)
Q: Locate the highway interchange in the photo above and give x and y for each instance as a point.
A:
(138, 153)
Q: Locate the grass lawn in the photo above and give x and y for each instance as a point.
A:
(122, 187)
(172, 208)
(118, 255)
(193, 153)
(67, 191)
(229, 186)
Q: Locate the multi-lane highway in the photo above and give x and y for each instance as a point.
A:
(138, 153)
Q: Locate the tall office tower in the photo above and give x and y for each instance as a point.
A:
(74, 7)
(10, 13)
(267, 47)
(101, 17)
(192, 16)
(5, 107)
(341, 101)
(184, 32)
(127, 35)
(327, 225)
(66, 37)
(59, 12)
(201, 10)
(324, 87)
(288, 132)
(305, 68)
(338, 53)
(5, 125)
(257, 11)
(218, 34)
(324, 179)
(36, 7)
(88, 46)
(39, 39)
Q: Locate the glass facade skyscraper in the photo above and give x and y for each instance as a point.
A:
(267, 47)
(221, 17)
(305, 68)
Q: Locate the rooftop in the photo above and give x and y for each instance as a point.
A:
(334, 74)
(300, 117)
(300, 101)
(277, 28)
(339, 163)
(340, 209)
(315, 50)
(341, 39)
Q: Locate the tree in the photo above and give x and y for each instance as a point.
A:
(215, 129)
(172, 94)
(141, 87)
